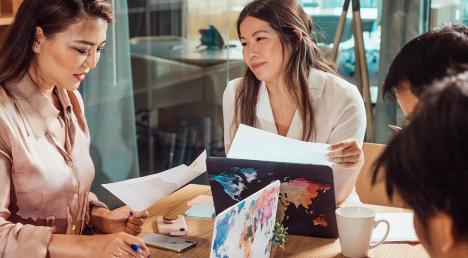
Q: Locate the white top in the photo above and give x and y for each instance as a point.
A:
(339, 115)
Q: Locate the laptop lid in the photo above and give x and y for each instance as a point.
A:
(246, 228)
(307, 195)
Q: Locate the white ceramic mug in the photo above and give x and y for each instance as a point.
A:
(355, 226)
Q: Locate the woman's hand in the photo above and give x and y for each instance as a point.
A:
(119, 220)
(347, 153)
(116, 245)
(105, 246)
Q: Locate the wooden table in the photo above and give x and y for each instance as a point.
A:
(201, 230)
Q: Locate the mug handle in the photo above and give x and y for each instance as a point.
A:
(376, 223)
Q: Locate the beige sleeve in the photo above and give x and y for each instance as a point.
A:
(17, 240)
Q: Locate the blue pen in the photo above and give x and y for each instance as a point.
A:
(136, 248)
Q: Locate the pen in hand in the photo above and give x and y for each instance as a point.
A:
(137, 249)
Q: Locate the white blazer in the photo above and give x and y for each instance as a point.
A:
(339, 114)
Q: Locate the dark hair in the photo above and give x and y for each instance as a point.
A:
(428, 57)
(286, 17)
(52, 16)
(426, 163)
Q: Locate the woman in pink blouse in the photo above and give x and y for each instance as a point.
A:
(45, 165)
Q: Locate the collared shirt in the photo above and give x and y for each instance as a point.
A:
(339, 115)
(44, 185)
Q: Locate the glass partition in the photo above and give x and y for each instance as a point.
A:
(176, 57)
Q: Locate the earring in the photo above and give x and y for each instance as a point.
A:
(35, 48)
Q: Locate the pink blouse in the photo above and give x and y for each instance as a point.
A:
(44, 186)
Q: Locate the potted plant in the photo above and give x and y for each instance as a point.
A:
(279, 237)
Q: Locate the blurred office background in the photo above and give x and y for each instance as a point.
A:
(154, 101)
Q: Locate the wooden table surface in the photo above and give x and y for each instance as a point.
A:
(201, 230)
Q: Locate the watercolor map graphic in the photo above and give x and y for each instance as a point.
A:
(246, 229)
(305, 206)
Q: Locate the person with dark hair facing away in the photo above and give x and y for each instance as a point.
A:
(428, 57)
(45, 166)
(290, 90)
(426, 164)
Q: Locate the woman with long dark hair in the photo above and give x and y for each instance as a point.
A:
(45, 165)
(289, 89)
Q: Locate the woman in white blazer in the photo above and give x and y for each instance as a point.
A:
(289, 89)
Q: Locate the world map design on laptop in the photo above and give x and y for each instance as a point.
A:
(299, 199)
(246, 229)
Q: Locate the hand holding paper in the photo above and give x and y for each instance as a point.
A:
(347, 152)
(119, 220)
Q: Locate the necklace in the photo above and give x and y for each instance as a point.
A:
(59, 107)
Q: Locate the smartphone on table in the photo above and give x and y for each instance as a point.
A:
(175, 244)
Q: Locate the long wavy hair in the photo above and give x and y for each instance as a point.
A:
(286, 17)
(53, 16)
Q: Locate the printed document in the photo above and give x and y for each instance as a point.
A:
(255, 144)
(401, 227)
(141, 193)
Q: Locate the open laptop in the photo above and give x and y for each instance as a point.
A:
(246, 228)
(307, 196)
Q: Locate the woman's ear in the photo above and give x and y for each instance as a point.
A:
(298, 34)
(38, 39)
(442, 232)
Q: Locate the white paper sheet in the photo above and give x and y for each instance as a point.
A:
(255, 144)
(401, 228)
(141, 193)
